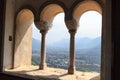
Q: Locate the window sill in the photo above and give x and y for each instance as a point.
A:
(32, 72)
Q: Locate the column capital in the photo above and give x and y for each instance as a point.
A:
(43, 25)
(72, 31)
(43, 31)
(72, 24)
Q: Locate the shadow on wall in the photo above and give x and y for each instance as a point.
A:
(23, 38)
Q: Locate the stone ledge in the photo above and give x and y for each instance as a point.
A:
(33, 72)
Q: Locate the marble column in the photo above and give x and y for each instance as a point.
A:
(71, 68)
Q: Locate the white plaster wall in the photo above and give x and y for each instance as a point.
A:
(9, 24)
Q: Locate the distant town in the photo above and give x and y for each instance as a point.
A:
(87, 58)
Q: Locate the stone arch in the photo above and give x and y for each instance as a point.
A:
(91, 5)
(23, 38)
(26, 7)
(44, 22)
(85, 6)
(50, 11)
(57, 3)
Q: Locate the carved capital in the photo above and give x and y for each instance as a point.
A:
(43, 32)
(72, 24)
(43, 25)
(72, 31)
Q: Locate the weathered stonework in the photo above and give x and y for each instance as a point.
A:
(9, 29)
(72, 24)
(43, 25)
(23, 39)
(18, 51)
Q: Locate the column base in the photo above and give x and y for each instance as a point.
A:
(43, 67)
(71, 70)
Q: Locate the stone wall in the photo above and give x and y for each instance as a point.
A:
(23, 39)
(9, 24)
(2, 16)
(9, 29)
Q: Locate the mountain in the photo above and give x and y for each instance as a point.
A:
(87, 54)
(86, 43)
(82, 44)
(36, 44)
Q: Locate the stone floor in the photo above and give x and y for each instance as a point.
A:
(52, 74)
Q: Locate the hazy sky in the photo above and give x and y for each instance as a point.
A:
(89, 26)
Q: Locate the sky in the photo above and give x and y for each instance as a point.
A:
(89, 26)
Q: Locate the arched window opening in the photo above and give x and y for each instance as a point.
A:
(57, 43)
(88, 42)
(18, 39)
(36, 45)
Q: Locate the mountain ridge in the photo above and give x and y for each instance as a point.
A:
(81, 43)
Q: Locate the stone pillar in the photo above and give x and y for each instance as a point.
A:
(43, 50)
(43, 26)
(71, 68)
(72, 25)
